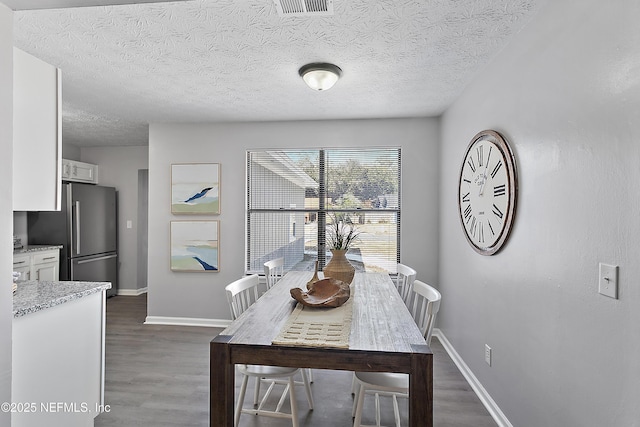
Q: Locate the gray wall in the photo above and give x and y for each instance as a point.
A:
(6, 212)
(566, 93)
(201, 295)
(70, 151)
(118, 167)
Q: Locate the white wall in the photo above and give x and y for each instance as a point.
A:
(201, 295)
(118, 167)
(6, 213)
(566, 93)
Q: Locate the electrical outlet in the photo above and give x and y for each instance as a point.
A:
(487, 354)
(608, 280)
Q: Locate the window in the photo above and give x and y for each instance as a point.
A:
(293, 195)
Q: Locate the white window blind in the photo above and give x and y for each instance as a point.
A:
(294, 195)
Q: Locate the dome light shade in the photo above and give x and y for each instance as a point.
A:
(320, 75)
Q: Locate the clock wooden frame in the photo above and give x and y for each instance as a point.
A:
(464, 184)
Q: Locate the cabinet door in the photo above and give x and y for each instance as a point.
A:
(66, 169)
(22, 264)
(37, 134)
(47, 272)
(83, 172)
(45, 266)
(25, 272)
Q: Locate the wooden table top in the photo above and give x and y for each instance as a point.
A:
(380, 323)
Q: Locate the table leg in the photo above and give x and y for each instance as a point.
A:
(421, 388)
(221, 386)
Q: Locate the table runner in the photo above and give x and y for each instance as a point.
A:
(318, 327)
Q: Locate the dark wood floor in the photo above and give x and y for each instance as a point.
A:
(158, 376)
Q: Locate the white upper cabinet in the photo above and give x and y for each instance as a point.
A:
(79, 171)
(37, 134)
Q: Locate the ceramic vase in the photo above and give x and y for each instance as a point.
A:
(339, 267)
(314, 279)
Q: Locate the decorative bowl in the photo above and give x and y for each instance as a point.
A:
(327, 292)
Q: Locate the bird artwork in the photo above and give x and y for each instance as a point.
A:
(194, 246)
(199, 195)
(205, 265)
(195, 188)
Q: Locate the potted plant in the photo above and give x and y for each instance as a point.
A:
(341, 234)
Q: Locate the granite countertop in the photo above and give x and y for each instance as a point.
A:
(32, 296)
(35, 248)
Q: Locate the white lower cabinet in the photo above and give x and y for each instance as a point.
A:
(40, 265)
(58, 364)
(46, 266)
(22, 265)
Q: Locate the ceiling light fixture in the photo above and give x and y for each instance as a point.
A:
(320, 75)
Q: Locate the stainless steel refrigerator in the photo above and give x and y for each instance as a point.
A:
(87, 228)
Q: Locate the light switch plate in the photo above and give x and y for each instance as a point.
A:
(608, 280)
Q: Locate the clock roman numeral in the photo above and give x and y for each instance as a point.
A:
(480, 154)
(477, 229)
(471, 164)
(493, 233)
(496, 169)
(499, 190)
(497, 211)
(465, 198)
(467, 213)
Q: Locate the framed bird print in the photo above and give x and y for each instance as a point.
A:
(194, 246)
(195, 188)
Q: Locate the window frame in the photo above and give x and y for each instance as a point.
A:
(322, 211)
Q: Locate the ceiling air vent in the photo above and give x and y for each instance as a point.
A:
(304, 7)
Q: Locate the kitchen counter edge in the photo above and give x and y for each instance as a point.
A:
(35, 248)
(32, 296)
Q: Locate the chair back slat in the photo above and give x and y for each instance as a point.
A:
(426, 304)
(241, 294)
(273, 271)
(404, 282)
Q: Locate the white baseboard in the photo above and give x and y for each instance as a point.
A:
(488, 402)
(131, 292)
(187, 321)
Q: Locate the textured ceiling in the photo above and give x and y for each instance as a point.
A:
(57, 4)
(237, 60)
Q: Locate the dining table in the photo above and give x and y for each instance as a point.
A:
(383, 337)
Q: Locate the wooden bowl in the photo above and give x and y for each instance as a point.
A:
(327, 292)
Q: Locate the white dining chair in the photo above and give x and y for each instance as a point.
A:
(404, 282)
(273, 271)
(426, 303)
(241, 294)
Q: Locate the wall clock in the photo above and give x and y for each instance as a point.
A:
(487, 192)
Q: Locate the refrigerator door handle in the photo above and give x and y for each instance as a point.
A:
(77, 227)
(84, 261)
